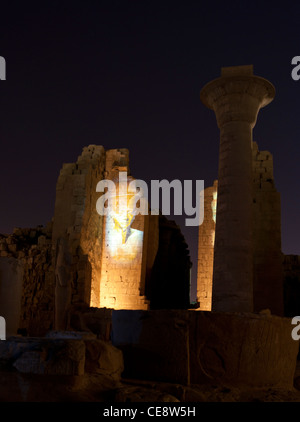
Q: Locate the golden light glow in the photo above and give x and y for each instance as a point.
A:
(124, 243)
(214, 205)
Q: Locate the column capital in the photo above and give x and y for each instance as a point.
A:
(237, 95)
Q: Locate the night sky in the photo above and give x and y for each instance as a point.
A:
(127, 74)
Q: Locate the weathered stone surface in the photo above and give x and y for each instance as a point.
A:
(11, 284)
(76, 335)
(205, 392)
(236, 97)
(291, 268)
(206, 241)
(12, 348)
(154, 344)
(26, 281)
(78, 226)
(62, 353)
(244, 349)
(201, 347)
(141, 394)
(65, 366)
(267, 256)
(43, 356)
(103, 358)
(95, 320)
(77, 262)
(28, 387)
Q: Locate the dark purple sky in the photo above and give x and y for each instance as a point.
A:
(128, 74)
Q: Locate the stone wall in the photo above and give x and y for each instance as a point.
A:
(77, 233)
(206, 240)
(268, 273)
(93, 264)
(60, 263)
(27, 281)
(124, 255)
(74, 263)
(11, 281)
(198, 347)
(291, 270)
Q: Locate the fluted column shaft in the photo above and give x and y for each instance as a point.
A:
(236, 100)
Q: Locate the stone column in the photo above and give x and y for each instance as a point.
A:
(236, 98)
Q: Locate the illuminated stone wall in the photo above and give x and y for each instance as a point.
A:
(122, 282)
(94, 265)
(77, 233)
(267, 255)
(84, 260)
(206, 238)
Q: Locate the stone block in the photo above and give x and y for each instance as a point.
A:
(206, 347)
(42, 240)
(243, 349)
(143, 394)
(67, 353)
(3, 246)
(12, 248)
(154, 344)
(267, 185)
(43, 356)
(75, 335)
(17, 231)
(103, 358)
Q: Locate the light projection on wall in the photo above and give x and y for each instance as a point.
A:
(123, 242)
(214, 206)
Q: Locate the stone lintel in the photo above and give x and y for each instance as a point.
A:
(237, 70)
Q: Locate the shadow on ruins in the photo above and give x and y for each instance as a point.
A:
(103, 312)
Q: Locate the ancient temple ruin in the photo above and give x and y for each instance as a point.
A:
(109, 294)
(268, 260)
(82, 258)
